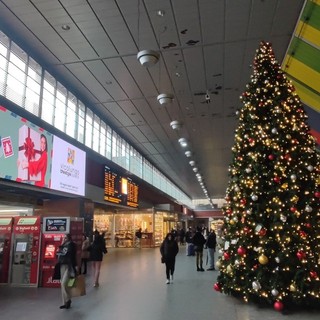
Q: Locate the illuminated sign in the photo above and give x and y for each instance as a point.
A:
(120, 190)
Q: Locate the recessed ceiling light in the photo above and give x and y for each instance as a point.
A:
(161, 13)
(65, 27)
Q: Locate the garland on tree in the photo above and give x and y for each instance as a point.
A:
(271, 231)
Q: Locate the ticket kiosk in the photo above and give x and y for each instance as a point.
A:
(53, 232)
(25, 251)
(5, 247)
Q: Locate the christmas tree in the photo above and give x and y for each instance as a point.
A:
(271, 231)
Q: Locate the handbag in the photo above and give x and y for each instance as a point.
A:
(79, 287)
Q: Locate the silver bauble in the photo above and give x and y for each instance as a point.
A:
(254, 197)
(256, 285)
(310, 168)
(274, 292)
(308, 208)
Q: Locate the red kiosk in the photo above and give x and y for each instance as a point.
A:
(5, 246)
(26, 249)
(53, 231)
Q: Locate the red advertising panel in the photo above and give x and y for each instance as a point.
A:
(5, 246)
(26, 250)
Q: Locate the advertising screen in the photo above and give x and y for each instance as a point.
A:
(56, 225)
(50, 251)
(69, 167)
(29, 154)
(120, 190)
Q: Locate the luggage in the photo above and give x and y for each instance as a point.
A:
(190, 249)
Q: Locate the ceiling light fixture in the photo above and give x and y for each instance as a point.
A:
(148, 58)
(183, 142)
(165, 98)
(188, 153)
(195, 169)
(65, 27)
(176, 125)
(192, 163)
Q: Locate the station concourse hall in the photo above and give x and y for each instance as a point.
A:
(133, 286)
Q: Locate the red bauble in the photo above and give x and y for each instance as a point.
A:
(301, 255)
(308, 225)
(262, 232)
(270, 156)
(228, 211)
(302, 234)
(313, 274)
(217, 287)
(276, 179)
(287, 157)
(226, 256)
(246, 229)
(317, 194)
(242, 251)
(243, 201)
(293, 209)
(278, 305)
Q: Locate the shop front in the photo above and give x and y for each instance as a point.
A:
(119, 228)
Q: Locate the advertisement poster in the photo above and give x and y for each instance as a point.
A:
(69, 167)
(25, 150)
(29, 154)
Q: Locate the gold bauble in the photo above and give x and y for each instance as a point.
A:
(284, 186)
(292, 288)
(263, 259)
(232, 222)
(229, 268)
(218, 264)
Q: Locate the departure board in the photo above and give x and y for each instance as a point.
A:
(120, 190)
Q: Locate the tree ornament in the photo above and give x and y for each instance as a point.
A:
(249, 211)
(283, 218)
(293, 209)
(226, 256)
(256, 285)
(301, 255)
(217, 287)
(248, 170)
(243, 201)
(284, 186)
(292, 288)
(274, 130)
(277, 259)
(274, 292)
(262, 232)
(310, 168)
(218, 264)
(270, 156)
(229, 268)
(308, 208)
(254, 197)
(241, 251)
(288, 157)
(278, 305)
(276, 179)
(263, 259)
(303, 235)
(293, 177)
(313, 274)
(288, 136)
(236, 189)
(317, 194)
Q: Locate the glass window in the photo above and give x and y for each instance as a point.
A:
(15, 90)
(135, 162)
(80, 126)
(60, 107)
(89, 128)
(147, 171)
(109, 143)
(96, 133)
(71, 128)
(32, 96)
(103, 138)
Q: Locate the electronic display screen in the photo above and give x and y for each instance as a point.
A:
(120, 190)
(21, 247)
(50, 251)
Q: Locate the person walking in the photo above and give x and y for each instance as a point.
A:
(68, 260)
(211, 247)
(198, 240)
(97, 249)
(85, 254)
(189, 246)
(169, 249)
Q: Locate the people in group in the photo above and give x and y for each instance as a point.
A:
(188, 237)
(169, 249)
(85, 254)
(211, 248)
(198, 241)
(97, 249)
(68, 260)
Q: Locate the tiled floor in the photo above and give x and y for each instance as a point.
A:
(133, 288)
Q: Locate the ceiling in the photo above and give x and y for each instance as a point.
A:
(205, 46)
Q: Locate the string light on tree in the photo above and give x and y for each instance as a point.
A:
(272, 216)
